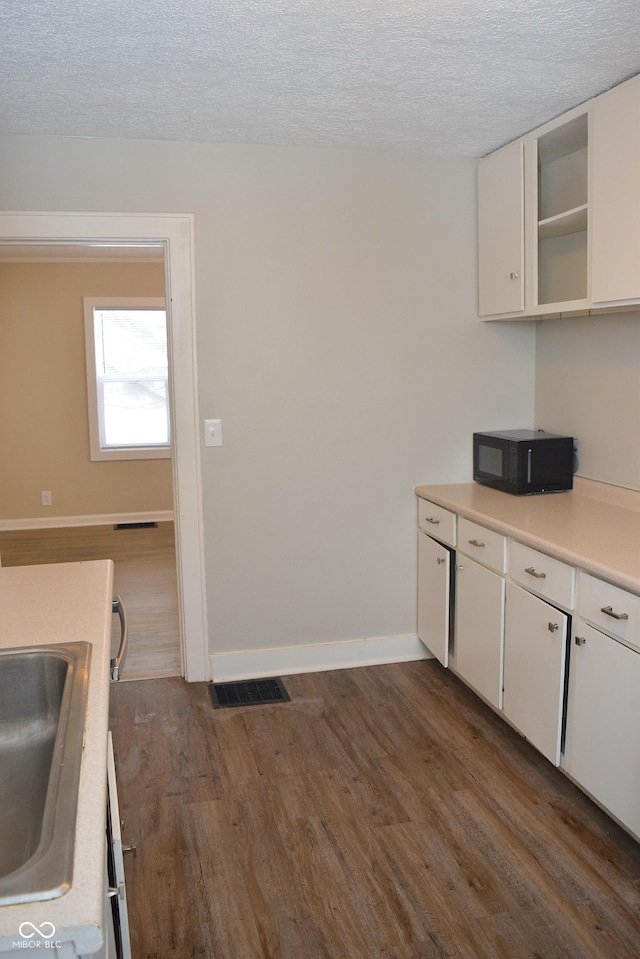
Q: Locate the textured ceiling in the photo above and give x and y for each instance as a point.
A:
(442, 76)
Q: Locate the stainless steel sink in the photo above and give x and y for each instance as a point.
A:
(43, 698)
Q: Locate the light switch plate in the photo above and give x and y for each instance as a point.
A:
(213, 432)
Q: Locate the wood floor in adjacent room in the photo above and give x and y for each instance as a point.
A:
(144, 576)
(383, 812)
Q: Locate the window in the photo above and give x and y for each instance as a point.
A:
(127, 378)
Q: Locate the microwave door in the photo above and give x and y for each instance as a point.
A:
(491, 461)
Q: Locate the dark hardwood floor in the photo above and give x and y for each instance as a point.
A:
(383, 812)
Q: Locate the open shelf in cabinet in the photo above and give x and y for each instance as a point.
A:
(573, 221)
(563, 213)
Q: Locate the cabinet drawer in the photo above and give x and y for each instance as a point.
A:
(622, 616)
(482, 544)
(542, 574)
(437, 521)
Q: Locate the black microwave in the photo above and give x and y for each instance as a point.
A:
(523, 461)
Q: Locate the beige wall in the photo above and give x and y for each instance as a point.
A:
(337, 339)
(588, 386)
(44, 432)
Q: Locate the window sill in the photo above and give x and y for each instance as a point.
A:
(140, 453)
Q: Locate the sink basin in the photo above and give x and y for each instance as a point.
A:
(43, 698)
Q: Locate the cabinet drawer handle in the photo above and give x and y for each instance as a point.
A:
(580, 641)
(553, 627)
(532, 572)
(474, 542)
(514, 276)
(430, 519)
(441, 560)
(608, 611)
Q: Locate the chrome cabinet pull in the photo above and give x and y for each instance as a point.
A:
(580, 641)
(474, 542)
(116, 664)
(553, 627)
(514, 276)
(532, 572)
(430, 519)
(459, 567)
(441, 560)
(608, 611)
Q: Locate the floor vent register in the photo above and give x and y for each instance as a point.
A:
(248, 692)
(136, 526)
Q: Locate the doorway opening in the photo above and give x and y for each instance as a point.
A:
(132, 236)
(62, 493)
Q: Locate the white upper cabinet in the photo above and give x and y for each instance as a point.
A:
(616, 194)
(577, 207)
(501, 231)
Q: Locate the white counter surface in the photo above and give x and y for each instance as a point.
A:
(65, 603)
(580, 527)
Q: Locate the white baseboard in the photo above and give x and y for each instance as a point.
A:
(101, 519)
(287, 660)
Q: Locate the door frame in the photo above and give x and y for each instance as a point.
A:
(175, 232)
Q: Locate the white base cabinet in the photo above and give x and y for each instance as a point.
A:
(479, 647)
(434, 607)
(555, 649)
(534, 666)
(603, 723)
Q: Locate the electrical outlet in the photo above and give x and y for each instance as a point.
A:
(47, 498)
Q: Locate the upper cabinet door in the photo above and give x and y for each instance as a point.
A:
(501, 231)
(615, 219)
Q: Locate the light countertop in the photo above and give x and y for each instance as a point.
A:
(586, 527)
(66, 603)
